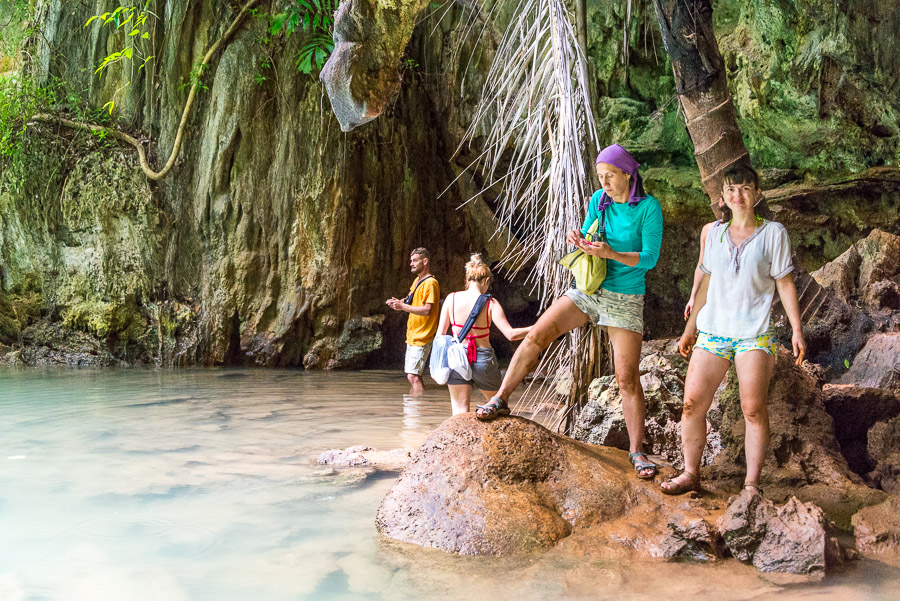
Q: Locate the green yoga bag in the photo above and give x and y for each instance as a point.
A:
(589, 271)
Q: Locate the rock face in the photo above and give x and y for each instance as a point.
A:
(877, 531)
(362, 73)
(793, 538)
(275, 229)
(884, 449)
(856, 410)
(511, 486)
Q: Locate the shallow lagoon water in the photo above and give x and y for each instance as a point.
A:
(200, 485)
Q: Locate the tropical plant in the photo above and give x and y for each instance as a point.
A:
(315, 18)
(131, 22)
(540, 130)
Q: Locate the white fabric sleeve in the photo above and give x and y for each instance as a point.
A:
(781, 254)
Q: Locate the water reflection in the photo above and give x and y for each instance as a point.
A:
(200, 485)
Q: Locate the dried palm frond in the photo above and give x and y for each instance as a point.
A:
(535, 117)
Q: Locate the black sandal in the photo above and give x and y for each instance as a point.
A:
(494, 408)
(753, 485)
(641, 465)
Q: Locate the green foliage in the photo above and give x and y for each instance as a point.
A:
(314, 18)
(131, 33)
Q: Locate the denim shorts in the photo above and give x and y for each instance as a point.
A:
(727, 348)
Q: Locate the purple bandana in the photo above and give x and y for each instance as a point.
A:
(617, 156)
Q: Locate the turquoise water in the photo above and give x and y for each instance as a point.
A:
(200, 485)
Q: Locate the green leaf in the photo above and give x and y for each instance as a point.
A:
(146, 35)
(847, 363)
(134, 32)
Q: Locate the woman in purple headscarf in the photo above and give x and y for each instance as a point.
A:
(632, 221)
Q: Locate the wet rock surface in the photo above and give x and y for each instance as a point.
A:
(365, 456)
(511, 486)
(877, 531)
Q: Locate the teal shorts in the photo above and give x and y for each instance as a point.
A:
(727, 348)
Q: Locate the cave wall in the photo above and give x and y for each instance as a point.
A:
(277, 237)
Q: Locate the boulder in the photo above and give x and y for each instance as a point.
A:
(884, 449)
(878, 363)
(363, 456)
(511, 486)
(879, 258)
(871, 262)
(794, 538)
(877, 531)
(840, 276)
(855, 410)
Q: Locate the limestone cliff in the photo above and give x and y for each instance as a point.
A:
(277, 236)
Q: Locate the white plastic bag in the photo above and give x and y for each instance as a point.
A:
(440, 370)
(458, 360)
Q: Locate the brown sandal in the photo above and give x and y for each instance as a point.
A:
(674, 488)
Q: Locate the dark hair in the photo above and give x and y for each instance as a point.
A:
(740, 174)
(421, 251)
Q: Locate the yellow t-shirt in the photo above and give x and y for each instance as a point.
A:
(420, 330)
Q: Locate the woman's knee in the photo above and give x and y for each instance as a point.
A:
(755, 412)
(629, 380)
(693, 408)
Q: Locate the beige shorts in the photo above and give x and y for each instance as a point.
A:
(611, 309)
(416, 359)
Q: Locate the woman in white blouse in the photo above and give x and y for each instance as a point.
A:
(745, 260)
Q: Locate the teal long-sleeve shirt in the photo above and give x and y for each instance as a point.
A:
(635, 228)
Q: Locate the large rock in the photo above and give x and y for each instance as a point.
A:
(511, 486)
(872, 262)
(362, 75)
(884, 449)
(878, 364)
(365, 456)
(877, 531)
(793, 538)
(855, 410)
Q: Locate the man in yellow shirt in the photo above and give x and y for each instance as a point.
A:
(421, 304)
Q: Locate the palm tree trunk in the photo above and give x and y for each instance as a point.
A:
(702, 89)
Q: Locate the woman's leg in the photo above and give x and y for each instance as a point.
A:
(754, 372)
(705, 373)
(627, 357)
(460, 395)
(561, 317)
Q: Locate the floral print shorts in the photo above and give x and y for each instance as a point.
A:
(727, 348)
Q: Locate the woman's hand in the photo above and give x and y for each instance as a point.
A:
(573, 237)
(597, 249)
(686, 344)
(799, 346)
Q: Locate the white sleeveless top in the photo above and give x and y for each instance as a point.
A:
(742, 279)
